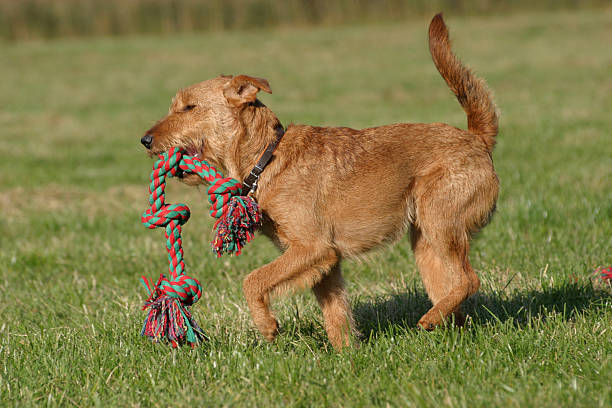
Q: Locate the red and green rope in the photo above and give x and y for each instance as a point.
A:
(169, 317)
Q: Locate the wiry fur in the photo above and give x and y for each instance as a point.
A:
(333, 193)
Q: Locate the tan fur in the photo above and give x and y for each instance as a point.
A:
(333, 193)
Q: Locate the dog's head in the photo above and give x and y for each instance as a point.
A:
(207, 121)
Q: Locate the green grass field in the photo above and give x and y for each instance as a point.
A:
(75, 178)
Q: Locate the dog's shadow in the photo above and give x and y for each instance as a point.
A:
(377, 316)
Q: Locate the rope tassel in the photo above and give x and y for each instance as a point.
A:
(236, 227)
(169, 317)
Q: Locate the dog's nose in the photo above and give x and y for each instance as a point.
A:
(146, 141)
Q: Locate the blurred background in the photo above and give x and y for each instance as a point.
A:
(82, 80)
(26, 19)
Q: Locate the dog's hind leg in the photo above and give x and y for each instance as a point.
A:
(447, 276)
(297, 267)
(335, 307)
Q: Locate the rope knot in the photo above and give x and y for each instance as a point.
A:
(187, 289)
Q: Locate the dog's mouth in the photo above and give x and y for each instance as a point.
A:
(193, 151)
(189, 151)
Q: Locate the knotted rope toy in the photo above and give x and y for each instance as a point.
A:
(169, 317)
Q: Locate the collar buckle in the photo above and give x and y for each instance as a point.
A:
(250, 182)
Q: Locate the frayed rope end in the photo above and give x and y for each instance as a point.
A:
(169, 319)
(236, 227)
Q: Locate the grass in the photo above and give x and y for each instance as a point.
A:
(74, 184)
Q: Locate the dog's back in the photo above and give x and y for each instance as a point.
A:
(391, 171)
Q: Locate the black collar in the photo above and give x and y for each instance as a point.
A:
(249, 185)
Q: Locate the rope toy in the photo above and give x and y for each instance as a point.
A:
(169, 317)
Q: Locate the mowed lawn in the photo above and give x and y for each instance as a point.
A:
(75, 178)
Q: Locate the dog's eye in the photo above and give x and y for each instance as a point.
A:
(187, 108)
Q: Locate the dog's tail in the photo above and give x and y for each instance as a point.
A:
(471, 91)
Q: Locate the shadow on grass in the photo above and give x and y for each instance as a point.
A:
(405, 309)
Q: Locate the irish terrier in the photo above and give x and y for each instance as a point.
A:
(331, 193)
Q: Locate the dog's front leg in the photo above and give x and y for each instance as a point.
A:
(298, 267)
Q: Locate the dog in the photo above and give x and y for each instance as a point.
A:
(331, 193)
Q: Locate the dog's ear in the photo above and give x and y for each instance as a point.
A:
(243, 89)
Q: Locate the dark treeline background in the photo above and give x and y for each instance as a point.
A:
(28, 19)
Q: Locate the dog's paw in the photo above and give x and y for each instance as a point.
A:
(426, 325)
(269, 329)
(431, 319)
(434, 318)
